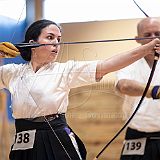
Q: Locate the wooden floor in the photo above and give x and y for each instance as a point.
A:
(95, 115)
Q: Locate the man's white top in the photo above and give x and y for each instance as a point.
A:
(46, 91)
(147, 118)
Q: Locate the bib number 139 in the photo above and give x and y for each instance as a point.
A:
(24, 140)
(134, 147)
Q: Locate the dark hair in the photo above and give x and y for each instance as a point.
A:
(33, 33)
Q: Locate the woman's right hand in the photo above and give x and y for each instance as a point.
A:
(8, 50)
(152, 47)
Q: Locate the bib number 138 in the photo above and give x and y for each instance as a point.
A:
(24, 140)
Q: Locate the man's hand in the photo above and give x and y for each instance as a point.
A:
(8, 50)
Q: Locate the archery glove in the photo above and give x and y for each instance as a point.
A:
(8, 50)
(154, 92)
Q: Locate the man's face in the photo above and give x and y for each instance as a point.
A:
(149, 28)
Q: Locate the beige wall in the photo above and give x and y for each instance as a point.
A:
(98, 30)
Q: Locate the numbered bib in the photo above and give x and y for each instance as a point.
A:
(134, 147)
(24, 140)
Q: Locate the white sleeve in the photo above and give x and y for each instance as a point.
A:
(6, 73)
(81, 73)
(126, 73)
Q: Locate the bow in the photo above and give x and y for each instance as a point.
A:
(141, 100)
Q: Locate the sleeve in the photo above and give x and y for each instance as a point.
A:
(81, 73)
(125, 73)
(6, 73)
(128, 72)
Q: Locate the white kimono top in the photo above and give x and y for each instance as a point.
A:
(46, 91)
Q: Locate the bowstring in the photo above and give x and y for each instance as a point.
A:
(18, 20)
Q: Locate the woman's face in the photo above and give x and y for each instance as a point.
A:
(49, 35)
